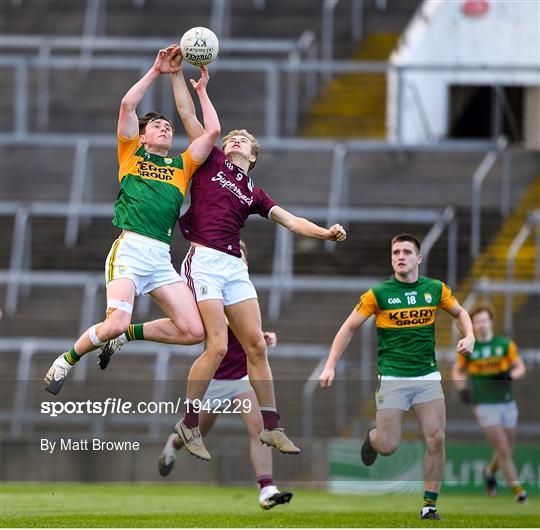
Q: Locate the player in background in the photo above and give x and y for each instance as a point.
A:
(231, 383)
(152, 189)
(404, 308)
(223, 196)
(490, 368)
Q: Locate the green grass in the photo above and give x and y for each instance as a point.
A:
(149, 505)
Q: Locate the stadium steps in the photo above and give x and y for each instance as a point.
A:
(492, 263)
(354, 105)
(159, 18)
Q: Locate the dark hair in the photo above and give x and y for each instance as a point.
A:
(480, 308)
(152, 116)
(406, 237)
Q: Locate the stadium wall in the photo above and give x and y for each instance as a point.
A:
(442, 34)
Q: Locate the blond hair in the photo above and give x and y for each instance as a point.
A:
(255, 148)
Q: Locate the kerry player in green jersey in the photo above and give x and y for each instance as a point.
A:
(405, 308)
(152, 189)
(490, 368)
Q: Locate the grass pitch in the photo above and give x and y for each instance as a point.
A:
(171, 505)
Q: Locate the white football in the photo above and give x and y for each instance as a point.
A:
(199, 46)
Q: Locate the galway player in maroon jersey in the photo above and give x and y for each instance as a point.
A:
(230, 391)
(223, 196)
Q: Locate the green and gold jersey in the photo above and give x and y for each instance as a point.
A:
(487, 366)
(405, 320)
(152, 189)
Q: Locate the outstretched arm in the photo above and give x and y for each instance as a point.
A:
(340, 343)
(200, 147)
(184, 101)
(303, 227)
(128, 123)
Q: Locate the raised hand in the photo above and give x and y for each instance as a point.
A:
(203, 81)
(168, 60)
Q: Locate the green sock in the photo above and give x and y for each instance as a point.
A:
(135, 332)
(430, 499)
(71, 356)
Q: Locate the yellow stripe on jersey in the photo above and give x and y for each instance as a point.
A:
(447, 298)
(512, 352)
(367, 305)
(132, 164)
(490, 366)
(407, 317)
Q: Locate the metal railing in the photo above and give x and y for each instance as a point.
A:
(282, 281)
(21, 243)
(487, 288)
(339, 178)
(141, 45)
(367, 336)
(117, 49)
(273, 70)
(498, 153)
(365, 383)
(532, 222)
(21, 413)
(510, 287)
(327, 29)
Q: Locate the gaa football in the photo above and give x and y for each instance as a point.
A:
(199, 46)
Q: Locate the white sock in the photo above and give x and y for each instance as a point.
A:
(268, 491)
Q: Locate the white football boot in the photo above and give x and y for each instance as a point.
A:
(57, 374)
(270, 496)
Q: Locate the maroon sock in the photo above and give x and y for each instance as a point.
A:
(270, 418)
(265, 480)
(191, 418)
(177, 443)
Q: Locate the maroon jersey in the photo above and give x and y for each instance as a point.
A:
(223, 196)
(234, 364)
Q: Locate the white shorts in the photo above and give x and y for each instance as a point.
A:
(404, 392)
(215, 275)
(145, 261)
(505, 414)
(221, 391)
